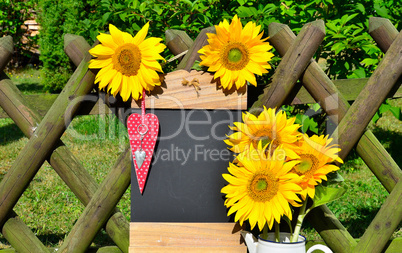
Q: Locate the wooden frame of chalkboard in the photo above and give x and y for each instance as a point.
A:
(181, 208)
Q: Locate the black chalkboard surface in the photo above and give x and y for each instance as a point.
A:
(185, 177)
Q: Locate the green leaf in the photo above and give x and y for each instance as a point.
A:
(376, 117)
(334, 177)
(316, 107)
(384, 108)
(187, 2)
(313, 126)
(361, 8)
(338, 47)
(105, 17)
(381, 11)
(368, 62)
(324, 195)
(358, 38)
(396, 111)
(351, 17)
(242, 2)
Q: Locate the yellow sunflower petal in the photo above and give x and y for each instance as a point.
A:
(117, 35)
(140, 36)
(230, 53)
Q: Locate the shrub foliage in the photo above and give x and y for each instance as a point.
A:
(13, 13)
(348, 49)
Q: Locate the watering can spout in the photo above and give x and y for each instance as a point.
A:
(251, 241)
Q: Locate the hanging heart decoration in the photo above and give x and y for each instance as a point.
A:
(142, 132)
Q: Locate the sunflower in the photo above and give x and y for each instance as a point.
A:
(236, 54)
(267, 127)
(315, 154)
(260, 190)
(127, 64)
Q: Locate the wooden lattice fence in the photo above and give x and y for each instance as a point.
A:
(296, 64)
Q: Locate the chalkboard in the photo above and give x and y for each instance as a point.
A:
(185, 177)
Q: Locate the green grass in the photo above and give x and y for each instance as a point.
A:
(50, 209)
(28, 80)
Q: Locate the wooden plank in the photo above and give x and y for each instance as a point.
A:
(227, 249)
(174, 95)
(294, 62)
(195, 237)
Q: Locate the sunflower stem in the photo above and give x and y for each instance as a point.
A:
(265, 232)
(299, 223)
(277, 232)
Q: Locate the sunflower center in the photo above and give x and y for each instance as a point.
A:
(262, 187)
(127, 59)
(266, 136)
(234, 56)
(307, 166)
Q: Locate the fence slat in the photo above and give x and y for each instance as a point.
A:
(177, 41)
(101, 205)
(20, 236)
(6, 51)
(384, 224)
(192, 54)
(352, 126)
(44, 138)
(294, 62)
(383, 32)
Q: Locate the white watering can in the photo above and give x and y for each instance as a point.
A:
(283, 246)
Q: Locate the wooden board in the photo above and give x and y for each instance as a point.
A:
(174, 95)
(185, 237)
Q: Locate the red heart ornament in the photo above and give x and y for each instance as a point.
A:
(146, 148)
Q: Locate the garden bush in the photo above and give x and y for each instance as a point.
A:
(348, 49)
(56, 18)
(13, 13)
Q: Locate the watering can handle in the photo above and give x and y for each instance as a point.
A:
(323, 248)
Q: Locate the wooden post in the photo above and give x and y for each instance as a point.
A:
(384, 224)
(331, 229)
(192, 54)
(352, 126)
(177, 41)
(44, 138)
(20, 236)
(13, 229)
(294, 62)
(383, 32)
(6, 51)
(75, 47)
(101, 205)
